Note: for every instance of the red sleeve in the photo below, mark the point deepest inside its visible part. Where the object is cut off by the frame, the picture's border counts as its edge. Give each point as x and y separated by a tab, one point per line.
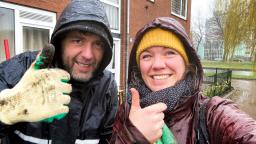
227	124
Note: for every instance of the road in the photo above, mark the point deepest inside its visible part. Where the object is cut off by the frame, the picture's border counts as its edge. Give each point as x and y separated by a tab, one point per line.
244	94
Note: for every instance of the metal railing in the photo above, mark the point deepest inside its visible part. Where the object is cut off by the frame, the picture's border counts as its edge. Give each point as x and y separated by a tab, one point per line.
218	76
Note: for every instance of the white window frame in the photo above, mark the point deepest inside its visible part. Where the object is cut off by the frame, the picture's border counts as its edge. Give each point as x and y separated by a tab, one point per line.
117	68
20	22
32	26
119	13
180	15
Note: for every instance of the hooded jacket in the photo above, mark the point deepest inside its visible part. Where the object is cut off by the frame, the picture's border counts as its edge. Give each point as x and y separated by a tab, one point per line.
93	104
225	123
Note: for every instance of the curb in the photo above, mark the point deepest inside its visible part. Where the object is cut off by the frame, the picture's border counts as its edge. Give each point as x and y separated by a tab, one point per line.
226	96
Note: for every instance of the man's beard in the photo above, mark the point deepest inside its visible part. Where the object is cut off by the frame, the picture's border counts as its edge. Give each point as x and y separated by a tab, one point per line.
82	77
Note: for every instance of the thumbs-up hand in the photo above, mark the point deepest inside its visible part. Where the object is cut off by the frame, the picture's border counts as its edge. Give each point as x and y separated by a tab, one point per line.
149	120
40	94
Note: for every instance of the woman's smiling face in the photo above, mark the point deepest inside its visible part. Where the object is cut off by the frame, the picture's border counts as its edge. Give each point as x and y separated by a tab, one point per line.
161	67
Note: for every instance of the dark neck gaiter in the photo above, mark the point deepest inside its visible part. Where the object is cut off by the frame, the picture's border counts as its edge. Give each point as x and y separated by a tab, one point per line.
170	96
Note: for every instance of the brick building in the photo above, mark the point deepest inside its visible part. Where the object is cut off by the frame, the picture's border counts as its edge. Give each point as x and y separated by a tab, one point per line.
135	13
28	24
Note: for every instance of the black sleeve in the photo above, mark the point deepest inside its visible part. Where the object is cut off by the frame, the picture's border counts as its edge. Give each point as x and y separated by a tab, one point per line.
107	125
11	72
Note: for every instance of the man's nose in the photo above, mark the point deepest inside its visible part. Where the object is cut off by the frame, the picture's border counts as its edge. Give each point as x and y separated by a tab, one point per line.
87	51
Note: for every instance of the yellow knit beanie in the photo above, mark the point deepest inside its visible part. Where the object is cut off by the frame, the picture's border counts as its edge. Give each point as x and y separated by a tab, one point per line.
161	37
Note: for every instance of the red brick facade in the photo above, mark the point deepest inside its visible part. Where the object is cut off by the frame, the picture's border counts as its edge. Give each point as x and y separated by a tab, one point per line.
50	5
142	12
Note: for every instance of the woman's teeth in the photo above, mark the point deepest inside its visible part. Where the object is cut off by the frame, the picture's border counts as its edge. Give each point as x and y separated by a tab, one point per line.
160	77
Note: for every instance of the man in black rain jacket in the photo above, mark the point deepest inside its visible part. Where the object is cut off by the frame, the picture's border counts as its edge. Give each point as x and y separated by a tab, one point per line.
83	47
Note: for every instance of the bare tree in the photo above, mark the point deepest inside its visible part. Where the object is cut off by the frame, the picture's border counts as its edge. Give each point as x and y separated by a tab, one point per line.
197	32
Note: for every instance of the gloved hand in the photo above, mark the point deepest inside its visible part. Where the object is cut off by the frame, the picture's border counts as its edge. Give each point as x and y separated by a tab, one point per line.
40	94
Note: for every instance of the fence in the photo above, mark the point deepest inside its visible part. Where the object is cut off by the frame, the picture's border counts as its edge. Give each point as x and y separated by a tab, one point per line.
217	76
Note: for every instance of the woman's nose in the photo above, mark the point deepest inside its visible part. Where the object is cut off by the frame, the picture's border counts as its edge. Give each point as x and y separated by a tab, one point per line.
158	62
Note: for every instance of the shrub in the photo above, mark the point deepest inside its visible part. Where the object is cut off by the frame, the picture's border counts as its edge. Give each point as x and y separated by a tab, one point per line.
218	89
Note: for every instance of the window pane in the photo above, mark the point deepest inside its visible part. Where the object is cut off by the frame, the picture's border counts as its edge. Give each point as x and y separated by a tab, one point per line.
113	57
176	6
179	7
34	38
113	16
184	3
114	1
6	31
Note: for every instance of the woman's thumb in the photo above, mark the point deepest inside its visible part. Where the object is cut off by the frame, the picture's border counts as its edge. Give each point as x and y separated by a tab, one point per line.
135	99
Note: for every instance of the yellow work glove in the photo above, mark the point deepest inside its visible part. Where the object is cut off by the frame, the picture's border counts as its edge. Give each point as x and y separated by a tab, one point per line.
40	94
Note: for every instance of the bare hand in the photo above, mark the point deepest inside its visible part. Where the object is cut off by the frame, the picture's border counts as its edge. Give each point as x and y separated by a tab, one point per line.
148	120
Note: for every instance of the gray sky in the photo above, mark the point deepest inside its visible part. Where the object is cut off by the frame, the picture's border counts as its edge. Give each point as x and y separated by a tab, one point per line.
202	9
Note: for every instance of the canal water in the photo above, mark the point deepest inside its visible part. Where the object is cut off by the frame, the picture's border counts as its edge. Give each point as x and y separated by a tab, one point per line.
244	94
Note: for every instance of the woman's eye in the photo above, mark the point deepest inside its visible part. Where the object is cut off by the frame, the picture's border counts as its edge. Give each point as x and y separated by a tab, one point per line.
170	53
145	56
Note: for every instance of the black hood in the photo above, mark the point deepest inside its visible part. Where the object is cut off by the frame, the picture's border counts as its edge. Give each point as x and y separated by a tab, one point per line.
88	16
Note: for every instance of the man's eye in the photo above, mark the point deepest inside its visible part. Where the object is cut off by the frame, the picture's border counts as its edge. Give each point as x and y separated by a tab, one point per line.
76	41
98	45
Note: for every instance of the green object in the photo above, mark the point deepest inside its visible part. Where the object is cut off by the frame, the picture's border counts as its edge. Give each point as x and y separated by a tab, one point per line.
58	117
43	61
167	136
39	62
45	58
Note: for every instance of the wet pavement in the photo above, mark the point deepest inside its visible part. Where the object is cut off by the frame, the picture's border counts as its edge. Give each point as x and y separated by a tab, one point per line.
244	94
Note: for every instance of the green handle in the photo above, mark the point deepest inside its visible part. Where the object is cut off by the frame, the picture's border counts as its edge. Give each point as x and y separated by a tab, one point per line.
167	136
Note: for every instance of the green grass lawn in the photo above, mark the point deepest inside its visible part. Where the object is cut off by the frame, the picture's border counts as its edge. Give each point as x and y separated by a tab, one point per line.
250	77
231	65
228	65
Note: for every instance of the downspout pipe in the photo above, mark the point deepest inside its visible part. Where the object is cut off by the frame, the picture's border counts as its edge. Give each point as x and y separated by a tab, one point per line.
127	45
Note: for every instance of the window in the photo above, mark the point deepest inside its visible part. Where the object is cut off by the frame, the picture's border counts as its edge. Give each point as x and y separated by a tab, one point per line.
114	65
24	28
34	38
113	1
179	8
112	8
6	31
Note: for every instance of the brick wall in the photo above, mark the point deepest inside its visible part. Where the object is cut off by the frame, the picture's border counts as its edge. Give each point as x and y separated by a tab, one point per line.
142	12
124	44
50	5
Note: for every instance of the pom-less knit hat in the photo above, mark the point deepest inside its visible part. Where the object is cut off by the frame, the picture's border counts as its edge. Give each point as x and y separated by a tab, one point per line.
161	37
